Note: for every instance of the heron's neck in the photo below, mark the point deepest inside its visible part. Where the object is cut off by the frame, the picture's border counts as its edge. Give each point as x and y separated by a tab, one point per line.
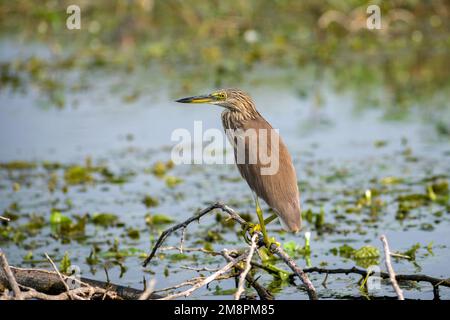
234	119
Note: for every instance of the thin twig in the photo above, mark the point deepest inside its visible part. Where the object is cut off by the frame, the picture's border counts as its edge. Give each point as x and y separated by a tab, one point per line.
59	274
324	282
10	276
207	280
387	254
183	234
74	293
203	250
169	231
5	219
202	269
297	270
384	275
192	282
398	255
263	293
248	266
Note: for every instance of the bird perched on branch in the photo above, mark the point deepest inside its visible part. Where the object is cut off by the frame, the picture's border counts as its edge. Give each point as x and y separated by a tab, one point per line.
255	142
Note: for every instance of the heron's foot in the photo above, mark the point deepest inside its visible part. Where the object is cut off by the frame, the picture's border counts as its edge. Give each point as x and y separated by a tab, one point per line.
267	249
272	242
249	231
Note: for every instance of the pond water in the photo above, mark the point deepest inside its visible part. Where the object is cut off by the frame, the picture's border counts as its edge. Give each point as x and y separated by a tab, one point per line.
368	175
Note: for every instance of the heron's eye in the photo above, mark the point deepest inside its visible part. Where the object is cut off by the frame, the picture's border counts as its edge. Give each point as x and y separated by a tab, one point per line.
220	95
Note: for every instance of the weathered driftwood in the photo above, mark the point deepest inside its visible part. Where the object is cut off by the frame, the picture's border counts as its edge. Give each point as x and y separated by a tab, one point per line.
48	282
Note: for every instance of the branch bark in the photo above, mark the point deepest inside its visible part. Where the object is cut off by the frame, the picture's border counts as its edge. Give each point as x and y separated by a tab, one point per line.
10	277
207	280
390	269
263	293
248	266
296	269
49	283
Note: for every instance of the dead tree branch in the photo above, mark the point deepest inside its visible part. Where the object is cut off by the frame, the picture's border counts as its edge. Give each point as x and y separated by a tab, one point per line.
236	217
207	280
263	293
58	273
390	269
297	270
184	224
9	275
48	283
248	266
148	291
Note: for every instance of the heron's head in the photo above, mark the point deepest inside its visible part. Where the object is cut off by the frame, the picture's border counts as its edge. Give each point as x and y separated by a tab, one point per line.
232	99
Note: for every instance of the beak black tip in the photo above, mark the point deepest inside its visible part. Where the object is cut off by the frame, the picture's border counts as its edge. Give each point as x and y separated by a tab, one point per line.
183	100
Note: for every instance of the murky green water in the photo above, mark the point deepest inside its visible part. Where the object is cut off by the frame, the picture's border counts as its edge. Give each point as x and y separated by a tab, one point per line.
368	174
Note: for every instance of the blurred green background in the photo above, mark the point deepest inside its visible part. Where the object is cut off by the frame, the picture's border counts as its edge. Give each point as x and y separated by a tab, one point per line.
222	42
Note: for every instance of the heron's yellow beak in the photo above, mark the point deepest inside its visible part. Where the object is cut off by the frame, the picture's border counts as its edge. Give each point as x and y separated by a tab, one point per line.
198	99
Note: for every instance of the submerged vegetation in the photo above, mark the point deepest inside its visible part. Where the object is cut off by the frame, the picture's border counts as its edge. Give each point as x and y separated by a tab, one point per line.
346	214
104	212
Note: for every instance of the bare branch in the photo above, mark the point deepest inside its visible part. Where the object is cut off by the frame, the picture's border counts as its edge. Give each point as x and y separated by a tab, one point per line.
5	219
183	234
192	282
297	270
263	293
148	291
77	293
398	255
57	271
202	269
390	269
184	224
248	266
11	279
384	275
207	280
203	250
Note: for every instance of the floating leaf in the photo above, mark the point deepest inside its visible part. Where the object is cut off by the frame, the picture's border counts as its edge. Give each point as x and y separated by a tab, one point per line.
391	180
18	165
77	175
440	187
172	181
157	219
104	219
133	233
411	252
150	201
159	169
366	252
57	218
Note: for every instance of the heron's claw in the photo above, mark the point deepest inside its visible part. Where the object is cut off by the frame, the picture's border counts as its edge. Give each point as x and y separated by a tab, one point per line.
272	241
249	231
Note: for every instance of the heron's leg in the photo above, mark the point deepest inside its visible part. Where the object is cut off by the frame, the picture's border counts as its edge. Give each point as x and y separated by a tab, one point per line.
270	219
262	224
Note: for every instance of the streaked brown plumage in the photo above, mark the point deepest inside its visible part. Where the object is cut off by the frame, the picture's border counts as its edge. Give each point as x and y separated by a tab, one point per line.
280	190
